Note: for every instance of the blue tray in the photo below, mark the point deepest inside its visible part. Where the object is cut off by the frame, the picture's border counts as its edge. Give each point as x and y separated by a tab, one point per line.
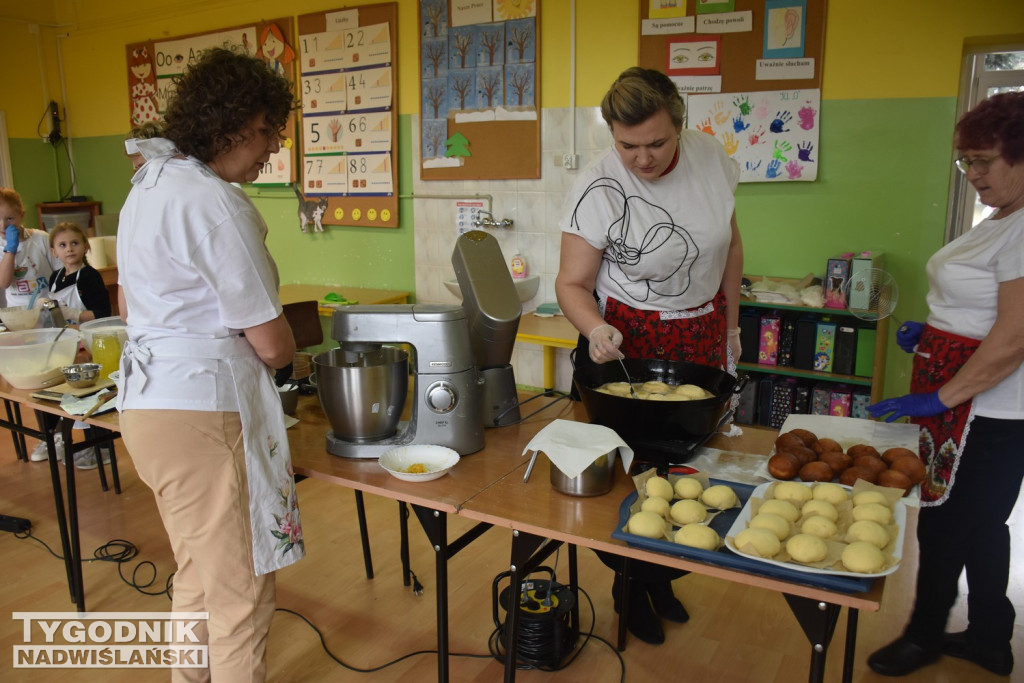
723	557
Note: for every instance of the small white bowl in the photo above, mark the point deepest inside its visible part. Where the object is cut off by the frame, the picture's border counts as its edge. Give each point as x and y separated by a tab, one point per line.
436	459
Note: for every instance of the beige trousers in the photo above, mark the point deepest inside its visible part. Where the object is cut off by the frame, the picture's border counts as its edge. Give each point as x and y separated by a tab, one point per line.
195	464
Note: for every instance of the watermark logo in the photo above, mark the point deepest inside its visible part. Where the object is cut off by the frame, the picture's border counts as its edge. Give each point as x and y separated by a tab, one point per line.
101	640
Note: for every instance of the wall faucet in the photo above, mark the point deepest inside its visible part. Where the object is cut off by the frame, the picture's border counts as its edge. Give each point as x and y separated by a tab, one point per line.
488	221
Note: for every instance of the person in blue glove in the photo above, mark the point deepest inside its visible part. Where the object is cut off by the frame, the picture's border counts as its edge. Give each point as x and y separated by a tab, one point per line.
26	263
968	398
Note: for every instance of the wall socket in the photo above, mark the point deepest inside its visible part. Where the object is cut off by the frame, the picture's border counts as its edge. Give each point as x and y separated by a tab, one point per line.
569	162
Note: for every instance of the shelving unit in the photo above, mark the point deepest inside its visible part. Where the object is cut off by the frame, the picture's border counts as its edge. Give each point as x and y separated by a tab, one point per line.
56	211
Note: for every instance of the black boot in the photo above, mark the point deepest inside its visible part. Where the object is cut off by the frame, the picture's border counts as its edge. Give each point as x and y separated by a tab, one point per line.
902	656
997	658
665	602
641	620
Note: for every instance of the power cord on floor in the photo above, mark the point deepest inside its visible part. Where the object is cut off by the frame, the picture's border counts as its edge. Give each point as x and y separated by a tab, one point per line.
356	669
120	552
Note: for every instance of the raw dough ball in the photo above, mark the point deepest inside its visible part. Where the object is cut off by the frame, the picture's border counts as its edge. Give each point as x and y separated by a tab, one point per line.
666	397
820	507
687	512
863	557
617	388
794	492
865	497
772	522
692	391
866	530
874	512
816	525
720	497
656	387
656	486
806	548
688	487
656	505
782	508
698	536
833	493
764	543
647	524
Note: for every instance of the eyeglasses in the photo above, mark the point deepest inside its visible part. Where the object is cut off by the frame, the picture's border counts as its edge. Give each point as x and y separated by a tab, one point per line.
980	165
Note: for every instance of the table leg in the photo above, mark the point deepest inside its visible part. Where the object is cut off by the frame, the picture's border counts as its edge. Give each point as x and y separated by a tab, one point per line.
623	598
403	532
76	547
818	621
549	368
58	500
851	643
14	417
364	535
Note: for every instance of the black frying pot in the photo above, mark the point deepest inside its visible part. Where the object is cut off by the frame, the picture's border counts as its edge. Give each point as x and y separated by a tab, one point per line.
635	419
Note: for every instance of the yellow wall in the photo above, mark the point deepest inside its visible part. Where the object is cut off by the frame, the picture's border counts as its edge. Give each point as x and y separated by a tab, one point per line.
866	44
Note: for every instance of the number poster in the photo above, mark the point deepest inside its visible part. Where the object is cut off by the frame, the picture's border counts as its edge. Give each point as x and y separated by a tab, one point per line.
349	117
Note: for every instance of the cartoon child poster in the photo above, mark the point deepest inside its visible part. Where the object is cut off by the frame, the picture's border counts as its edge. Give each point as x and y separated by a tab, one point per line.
142	84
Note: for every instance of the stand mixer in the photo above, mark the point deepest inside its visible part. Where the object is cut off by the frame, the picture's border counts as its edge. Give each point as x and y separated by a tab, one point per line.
446	406
462	377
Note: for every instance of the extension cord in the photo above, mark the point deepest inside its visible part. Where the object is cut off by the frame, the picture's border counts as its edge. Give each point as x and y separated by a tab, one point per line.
14	524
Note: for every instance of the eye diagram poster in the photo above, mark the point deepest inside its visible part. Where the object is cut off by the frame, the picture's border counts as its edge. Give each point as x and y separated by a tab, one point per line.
347	85
152	66
772	135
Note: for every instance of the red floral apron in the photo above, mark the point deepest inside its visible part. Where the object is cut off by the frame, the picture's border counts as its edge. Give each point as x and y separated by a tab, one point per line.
939	356
697	335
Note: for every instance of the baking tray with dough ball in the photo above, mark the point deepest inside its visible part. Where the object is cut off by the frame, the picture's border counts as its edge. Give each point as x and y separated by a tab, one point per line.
723	522
832	564
56	393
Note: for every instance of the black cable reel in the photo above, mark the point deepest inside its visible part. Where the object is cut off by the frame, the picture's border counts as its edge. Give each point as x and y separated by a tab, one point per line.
546	633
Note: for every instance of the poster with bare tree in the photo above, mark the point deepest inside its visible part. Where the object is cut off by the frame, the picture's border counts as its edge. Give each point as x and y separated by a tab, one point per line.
479	91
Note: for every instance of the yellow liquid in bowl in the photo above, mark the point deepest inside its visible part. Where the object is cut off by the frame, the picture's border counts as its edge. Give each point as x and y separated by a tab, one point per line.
106	350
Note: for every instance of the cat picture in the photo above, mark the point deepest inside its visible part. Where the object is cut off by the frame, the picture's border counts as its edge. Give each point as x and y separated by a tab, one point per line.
311	211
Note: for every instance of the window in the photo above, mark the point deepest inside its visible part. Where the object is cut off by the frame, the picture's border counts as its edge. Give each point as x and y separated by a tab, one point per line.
987	70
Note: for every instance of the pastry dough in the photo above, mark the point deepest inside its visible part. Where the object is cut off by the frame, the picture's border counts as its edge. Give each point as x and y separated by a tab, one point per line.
766	520
687	512
656	486
833	493
806	548
647	524
819	526
866	530
866	497
698	536
656	505
720	497
863	557
763	542
874	512
782	508
794	492
688	487
820	507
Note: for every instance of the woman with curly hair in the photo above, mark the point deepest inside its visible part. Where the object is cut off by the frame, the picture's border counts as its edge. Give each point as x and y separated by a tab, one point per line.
199	412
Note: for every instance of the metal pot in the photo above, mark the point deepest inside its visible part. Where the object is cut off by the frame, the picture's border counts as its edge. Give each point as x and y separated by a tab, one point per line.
596	480
362	394
635	419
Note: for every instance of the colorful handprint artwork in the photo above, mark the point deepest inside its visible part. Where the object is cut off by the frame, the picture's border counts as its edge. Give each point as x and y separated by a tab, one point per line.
772	135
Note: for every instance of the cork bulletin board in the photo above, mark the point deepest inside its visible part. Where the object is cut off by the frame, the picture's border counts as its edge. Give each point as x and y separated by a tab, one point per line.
479	89
152	66
750	73
348	85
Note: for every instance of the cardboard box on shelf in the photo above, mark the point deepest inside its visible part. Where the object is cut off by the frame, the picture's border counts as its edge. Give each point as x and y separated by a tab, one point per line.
824	346
866	260
837	273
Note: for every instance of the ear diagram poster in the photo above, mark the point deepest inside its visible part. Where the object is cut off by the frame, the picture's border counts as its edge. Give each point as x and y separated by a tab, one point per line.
772	135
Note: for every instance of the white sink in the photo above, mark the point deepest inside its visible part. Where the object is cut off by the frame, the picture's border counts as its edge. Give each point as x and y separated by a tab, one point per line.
526	287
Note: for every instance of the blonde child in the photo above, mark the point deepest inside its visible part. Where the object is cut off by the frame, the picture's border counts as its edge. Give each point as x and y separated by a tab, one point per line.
76	285
26	264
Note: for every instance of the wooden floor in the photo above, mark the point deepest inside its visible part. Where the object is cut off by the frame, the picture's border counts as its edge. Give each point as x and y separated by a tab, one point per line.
735	633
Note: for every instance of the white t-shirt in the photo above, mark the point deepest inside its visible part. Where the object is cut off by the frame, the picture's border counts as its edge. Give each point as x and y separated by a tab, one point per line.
33	265
193	264
963	290
666	241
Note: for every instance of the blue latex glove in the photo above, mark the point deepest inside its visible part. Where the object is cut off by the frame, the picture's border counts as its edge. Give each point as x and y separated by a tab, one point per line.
911	405
909	334
13	236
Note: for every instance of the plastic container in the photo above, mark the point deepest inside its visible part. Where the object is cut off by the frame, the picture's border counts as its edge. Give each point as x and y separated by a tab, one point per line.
111	325
518	266
30	360
20	317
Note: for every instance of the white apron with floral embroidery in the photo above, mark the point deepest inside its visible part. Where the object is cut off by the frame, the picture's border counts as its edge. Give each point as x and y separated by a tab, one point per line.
273	502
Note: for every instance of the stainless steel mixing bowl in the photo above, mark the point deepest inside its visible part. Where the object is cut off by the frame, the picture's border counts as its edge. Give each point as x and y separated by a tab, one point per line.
362	394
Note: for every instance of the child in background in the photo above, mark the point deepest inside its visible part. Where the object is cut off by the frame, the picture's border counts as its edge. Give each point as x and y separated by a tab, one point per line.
26	265
76	286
